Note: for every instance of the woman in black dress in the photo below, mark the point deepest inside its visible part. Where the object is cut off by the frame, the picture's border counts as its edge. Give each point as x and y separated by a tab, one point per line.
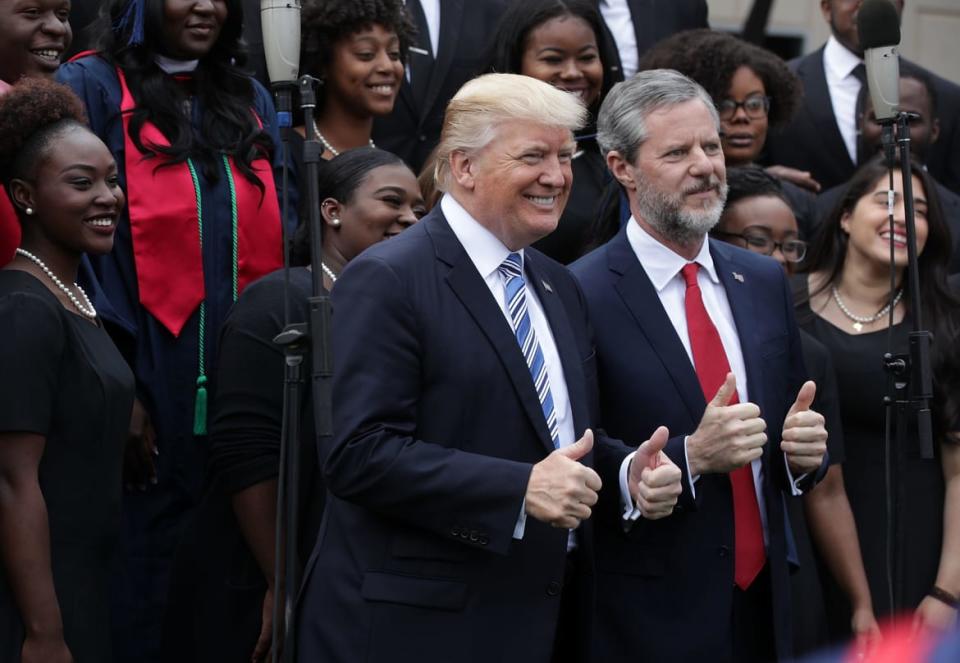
65	392
907	508
223	594
564	44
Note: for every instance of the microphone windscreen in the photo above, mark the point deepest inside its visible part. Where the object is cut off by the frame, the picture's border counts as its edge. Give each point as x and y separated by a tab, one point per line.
878	24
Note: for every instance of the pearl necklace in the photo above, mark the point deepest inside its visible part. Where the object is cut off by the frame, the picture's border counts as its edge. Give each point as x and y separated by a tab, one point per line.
326	143
87	311
328	272
860	320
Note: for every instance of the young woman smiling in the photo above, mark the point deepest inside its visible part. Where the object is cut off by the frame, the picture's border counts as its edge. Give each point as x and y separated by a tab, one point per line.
194	137
563	43
33	37
65	391
358	50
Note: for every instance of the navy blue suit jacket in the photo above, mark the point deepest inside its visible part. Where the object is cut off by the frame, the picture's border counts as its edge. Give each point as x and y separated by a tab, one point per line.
665	587
437	426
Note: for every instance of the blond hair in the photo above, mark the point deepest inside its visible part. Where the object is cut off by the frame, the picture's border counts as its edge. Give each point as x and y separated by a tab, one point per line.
482	104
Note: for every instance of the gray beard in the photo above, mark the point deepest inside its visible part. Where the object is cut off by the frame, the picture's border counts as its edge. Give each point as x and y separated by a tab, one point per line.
665	213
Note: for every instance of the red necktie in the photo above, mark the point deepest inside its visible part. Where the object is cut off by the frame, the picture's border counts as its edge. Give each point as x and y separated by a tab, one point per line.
712	367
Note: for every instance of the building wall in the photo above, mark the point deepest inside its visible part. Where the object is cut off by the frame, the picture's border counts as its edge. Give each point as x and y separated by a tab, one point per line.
930	32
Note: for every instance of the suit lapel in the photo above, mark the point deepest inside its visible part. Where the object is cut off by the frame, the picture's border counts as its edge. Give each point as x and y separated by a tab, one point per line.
820	109
473	293
451	19
563	338
641	299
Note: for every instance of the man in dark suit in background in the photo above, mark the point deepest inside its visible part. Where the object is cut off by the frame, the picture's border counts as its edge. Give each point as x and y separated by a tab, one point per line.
918	95
457	528
699	336
450	49
636	25
821	139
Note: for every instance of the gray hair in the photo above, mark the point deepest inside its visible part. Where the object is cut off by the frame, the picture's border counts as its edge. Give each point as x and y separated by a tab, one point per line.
483	103
621	124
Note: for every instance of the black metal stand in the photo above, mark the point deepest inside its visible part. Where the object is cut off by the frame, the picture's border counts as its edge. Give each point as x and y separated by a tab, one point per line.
297	340
912	369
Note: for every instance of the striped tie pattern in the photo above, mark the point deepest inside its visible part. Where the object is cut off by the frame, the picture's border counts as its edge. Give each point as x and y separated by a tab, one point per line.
516	296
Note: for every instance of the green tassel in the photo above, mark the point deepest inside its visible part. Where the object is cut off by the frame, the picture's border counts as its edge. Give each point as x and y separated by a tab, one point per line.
200	408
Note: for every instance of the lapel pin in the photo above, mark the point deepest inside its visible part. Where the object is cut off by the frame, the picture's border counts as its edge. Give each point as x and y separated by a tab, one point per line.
418	51
546	286
738	276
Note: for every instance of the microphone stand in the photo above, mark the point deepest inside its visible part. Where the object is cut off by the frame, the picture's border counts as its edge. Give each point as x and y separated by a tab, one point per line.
911	371
297	340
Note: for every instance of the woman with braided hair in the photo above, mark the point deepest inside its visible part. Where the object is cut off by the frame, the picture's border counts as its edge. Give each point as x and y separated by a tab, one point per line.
65	391
195	139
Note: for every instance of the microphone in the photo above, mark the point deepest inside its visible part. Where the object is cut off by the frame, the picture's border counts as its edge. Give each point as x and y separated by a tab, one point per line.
878	25
281	47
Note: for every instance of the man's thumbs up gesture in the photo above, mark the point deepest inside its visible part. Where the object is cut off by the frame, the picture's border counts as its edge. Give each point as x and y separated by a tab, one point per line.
804	439
653	479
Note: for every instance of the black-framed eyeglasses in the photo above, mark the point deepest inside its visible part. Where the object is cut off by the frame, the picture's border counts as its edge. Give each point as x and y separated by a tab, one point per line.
794	250
755	107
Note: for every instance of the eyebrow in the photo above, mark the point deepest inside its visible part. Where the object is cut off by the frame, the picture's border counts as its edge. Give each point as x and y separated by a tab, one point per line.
391	189
79	166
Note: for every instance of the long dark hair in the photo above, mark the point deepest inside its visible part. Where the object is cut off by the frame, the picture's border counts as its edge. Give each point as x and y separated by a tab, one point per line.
223	89
339	179
520	18
939	306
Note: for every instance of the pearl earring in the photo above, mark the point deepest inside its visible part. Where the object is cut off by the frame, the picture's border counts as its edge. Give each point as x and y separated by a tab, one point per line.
335	222
29	211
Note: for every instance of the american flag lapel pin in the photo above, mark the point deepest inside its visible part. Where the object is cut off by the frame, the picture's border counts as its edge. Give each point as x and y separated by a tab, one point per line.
738	276
546	286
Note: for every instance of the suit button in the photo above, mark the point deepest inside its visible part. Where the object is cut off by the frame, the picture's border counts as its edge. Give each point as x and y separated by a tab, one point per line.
464	534
473	535
723	551
482	540
553	588
455	531
422	138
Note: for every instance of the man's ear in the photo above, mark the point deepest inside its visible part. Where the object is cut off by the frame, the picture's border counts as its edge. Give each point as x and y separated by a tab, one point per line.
934	130
622	171
462	169
22	194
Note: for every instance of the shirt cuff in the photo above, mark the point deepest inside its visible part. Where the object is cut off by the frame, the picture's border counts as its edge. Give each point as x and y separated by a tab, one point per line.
521	521
692	479
630	510
794	490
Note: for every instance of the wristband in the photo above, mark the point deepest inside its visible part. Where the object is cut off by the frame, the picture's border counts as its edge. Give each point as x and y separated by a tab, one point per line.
944	596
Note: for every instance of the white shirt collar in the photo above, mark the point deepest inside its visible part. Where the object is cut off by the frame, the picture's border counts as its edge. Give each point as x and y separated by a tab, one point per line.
838	59
660	262
171	66
485	250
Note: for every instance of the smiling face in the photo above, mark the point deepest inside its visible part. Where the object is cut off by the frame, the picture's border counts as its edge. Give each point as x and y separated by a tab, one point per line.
518	184
384	204
365	71
563	52
744	135
677	186
191	27
76	195
868	228
33	36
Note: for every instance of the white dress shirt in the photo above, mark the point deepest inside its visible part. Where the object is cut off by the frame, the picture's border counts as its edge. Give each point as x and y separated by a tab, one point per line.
663	267
616	14
838	66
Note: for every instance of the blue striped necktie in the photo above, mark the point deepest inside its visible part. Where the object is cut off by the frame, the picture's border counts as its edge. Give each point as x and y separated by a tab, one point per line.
516	296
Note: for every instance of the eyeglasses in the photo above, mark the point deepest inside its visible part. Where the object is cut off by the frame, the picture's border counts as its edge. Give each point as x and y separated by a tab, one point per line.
794	250
755	107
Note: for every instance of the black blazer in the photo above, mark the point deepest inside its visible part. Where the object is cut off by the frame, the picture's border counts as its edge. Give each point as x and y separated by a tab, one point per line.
812	140
413	128
437	426
654	20
664	589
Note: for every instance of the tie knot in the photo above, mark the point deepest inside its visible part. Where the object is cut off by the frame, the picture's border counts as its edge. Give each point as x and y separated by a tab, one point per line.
689	272
512	266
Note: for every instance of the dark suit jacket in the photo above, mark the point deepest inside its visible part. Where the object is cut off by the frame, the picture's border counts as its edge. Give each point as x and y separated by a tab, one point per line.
654	20
812	140
949	201
437	426
665	588
413	128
